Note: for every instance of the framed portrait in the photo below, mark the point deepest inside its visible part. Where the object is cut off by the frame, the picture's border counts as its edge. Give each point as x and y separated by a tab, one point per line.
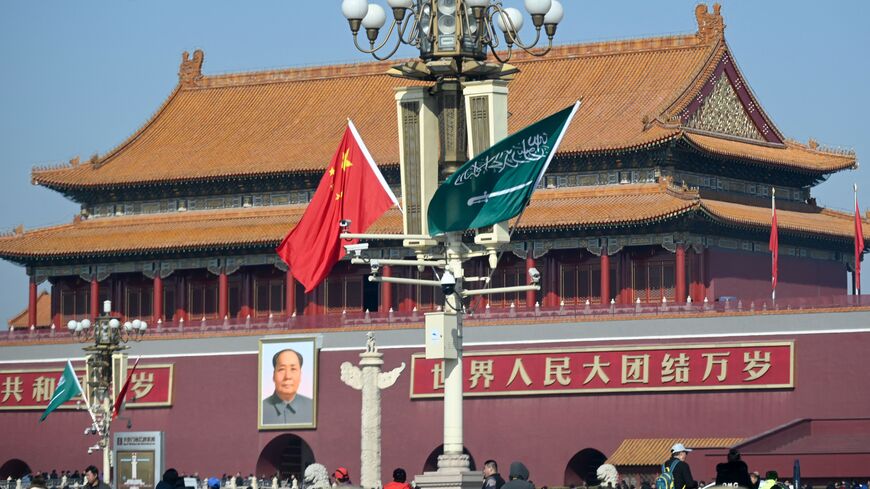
287	386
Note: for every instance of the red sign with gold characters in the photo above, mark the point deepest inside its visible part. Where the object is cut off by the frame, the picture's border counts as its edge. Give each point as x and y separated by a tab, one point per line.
31	389
729	366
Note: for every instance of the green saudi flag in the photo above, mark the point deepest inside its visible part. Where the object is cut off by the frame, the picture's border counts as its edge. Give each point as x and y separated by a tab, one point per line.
67	387
497	184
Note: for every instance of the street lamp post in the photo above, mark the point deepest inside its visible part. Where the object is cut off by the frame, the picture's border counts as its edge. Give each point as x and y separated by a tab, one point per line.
454	38
105	371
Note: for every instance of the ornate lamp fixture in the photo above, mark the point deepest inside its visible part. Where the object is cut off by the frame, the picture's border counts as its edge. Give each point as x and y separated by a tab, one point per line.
459	29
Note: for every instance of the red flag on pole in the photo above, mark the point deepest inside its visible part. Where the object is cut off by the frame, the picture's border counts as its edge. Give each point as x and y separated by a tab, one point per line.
859	243
352	189
774	244
119	402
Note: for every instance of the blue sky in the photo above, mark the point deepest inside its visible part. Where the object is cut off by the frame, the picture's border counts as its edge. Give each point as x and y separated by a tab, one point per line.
77	78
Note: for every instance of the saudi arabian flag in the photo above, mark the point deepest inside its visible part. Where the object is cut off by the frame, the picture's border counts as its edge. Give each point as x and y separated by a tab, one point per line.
67	387
497	184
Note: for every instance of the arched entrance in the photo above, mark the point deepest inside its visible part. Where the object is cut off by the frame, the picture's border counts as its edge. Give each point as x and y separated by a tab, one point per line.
431	464
14	468
581	469
286	454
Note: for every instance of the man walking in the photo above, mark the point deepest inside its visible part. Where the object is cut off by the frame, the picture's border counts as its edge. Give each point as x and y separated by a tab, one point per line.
491	478
681	472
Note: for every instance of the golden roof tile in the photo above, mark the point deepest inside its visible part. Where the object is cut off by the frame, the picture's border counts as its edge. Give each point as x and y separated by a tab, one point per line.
655	451
793	155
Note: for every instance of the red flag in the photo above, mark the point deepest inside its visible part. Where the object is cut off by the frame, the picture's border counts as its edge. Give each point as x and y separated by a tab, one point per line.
774	245
859	243
119	402
351	189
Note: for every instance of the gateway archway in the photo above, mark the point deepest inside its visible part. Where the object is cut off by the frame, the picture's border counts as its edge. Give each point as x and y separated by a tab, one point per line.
14	468
286	454
582	467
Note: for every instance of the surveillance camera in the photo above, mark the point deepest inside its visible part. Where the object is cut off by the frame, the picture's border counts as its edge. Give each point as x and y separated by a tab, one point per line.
535	275
356	249
344	223
376	266
90	450
448	283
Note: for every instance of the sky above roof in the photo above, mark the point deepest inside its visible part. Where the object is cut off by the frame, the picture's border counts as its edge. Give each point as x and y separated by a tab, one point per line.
80	77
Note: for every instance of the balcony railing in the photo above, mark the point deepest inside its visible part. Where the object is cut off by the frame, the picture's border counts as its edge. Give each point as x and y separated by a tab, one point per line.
478	315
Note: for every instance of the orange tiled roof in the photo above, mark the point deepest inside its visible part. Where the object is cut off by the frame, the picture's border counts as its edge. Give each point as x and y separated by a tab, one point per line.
285	121
794	154
43	313
550	209
654	451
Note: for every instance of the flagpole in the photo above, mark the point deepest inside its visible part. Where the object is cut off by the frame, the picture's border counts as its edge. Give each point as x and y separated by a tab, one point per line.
857	273
773	253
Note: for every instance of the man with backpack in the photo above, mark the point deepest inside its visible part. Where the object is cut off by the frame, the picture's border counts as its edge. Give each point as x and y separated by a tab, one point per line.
676	473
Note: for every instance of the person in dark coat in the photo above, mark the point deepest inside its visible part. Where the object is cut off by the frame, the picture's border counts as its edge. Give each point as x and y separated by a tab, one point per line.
170	478
682	474
491	478
519	477
734	472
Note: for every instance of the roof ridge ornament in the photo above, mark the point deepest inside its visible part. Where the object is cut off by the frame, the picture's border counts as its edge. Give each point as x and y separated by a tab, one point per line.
190	70
711	26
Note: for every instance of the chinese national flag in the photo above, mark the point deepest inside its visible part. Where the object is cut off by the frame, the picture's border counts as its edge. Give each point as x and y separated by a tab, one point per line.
774	246
859	244
119	402
353	189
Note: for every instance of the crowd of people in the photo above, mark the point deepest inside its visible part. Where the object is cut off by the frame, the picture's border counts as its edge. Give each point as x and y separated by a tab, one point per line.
676	474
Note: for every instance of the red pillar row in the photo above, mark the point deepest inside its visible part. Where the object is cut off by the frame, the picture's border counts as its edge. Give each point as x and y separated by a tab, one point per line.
680	292
605	277
223	294
530	295
290	293
31	304
158	299
95	299
387	290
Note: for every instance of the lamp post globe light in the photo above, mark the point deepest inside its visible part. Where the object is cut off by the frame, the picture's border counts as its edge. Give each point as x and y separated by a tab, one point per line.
105	371
454	39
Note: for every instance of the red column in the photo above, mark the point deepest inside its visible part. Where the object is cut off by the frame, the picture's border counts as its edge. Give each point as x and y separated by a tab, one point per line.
681	274
31	304
290	292
530	295
181	298
386	290
223	294
95	299
245	299
605	277
158	298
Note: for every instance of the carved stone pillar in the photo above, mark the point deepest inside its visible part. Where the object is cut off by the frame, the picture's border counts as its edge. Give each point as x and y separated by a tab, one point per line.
680	271
369	379
387	290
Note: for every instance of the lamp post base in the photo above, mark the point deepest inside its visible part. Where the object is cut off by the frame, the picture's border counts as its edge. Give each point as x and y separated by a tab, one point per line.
452	473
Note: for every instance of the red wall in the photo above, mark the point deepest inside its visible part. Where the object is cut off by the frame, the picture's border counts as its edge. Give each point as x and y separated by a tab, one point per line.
747	275
211	428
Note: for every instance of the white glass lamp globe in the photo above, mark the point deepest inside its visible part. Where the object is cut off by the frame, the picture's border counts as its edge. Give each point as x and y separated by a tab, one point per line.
114	323
375	17
400	3
555	14
476	3
136	323
354	9
143	326
71	325
515	16
86	323
538	7
128	326
79	327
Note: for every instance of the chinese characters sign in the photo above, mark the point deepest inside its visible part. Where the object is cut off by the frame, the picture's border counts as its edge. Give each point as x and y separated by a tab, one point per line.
150	386
616	369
